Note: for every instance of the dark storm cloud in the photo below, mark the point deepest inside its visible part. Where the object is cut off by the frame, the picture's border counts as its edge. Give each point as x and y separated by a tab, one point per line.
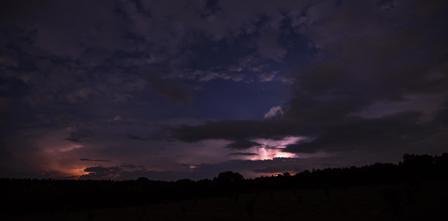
442	115
77	136
155	43
382	59
93	160
396	131
103	172
137	137
73	66
236	130
242	144
94	78
243	154
369	53
173	90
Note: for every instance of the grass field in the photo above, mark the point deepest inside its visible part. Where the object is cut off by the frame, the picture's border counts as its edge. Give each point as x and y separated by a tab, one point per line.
382	202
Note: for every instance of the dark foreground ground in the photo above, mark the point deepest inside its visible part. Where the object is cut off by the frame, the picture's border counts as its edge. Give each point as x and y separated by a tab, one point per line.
356	203
415	189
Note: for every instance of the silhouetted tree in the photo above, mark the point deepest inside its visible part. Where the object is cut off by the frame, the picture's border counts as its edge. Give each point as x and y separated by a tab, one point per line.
142	180
229	177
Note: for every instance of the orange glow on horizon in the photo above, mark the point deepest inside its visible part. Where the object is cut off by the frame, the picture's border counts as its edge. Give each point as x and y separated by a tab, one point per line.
76	172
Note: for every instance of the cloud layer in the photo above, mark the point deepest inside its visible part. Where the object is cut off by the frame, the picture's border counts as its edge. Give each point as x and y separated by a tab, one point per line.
172	85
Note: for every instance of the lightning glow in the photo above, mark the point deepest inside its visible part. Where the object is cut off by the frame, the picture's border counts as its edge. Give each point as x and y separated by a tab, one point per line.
270	149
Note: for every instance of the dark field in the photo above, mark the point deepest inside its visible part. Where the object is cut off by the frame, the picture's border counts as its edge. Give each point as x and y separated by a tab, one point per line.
356	203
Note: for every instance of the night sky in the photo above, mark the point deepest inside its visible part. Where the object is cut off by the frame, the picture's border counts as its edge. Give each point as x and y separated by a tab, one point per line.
171	89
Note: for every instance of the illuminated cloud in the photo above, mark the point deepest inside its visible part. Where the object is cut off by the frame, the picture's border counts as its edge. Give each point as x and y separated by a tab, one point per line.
269	149
264	153
275	111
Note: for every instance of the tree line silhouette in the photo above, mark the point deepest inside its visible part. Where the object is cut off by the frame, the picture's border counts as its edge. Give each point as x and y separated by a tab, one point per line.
46	195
